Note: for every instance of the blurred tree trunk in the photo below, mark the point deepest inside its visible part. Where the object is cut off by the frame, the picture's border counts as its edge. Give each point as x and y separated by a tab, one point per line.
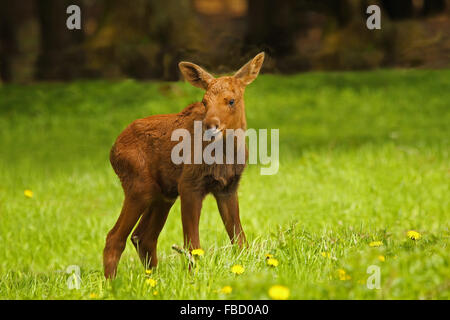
433	7
398	9
176	32
342	10
145	40
8	38
61	55
272	26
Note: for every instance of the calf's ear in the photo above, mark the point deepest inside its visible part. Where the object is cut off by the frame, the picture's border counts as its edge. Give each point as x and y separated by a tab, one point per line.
250	70
195	75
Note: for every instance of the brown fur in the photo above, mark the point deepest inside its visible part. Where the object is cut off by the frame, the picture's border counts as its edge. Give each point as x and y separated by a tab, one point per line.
141	157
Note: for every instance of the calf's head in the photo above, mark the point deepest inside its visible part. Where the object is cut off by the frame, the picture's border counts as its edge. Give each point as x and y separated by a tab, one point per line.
224	96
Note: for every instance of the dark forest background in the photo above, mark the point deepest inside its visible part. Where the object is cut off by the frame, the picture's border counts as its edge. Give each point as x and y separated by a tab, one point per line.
145	39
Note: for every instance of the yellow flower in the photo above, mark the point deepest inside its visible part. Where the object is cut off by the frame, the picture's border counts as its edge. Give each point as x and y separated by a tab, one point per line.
148	271
226	290
272	262
155	293
28	193
278	292
413	235
343	276
325	254
376	243
151	282
93	296
197	252
382	258
268	255
237	269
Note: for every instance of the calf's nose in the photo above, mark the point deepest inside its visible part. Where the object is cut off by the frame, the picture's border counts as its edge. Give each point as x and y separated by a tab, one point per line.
212	123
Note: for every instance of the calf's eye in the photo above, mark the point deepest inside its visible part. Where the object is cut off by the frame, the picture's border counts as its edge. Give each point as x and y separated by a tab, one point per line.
231	102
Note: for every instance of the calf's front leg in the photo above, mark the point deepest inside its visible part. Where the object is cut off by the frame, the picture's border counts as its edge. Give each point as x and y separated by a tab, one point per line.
191	206
228	205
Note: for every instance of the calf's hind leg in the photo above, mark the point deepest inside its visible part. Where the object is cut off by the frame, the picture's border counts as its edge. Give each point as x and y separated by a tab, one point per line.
145	236
137	200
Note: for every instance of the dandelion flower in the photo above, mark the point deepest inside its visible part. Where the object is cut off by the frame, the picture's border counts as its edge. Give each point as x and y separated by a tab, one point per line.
325	254
28	193
343	276
93	296
382	258
413	235
376	243
155	293
197	252
151	282
272	262
226	290
278	292
237	269
148	271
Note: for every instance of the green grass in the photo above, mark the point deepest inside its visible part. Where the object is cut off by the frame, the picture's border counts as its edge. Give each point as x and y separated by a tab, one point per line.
364	157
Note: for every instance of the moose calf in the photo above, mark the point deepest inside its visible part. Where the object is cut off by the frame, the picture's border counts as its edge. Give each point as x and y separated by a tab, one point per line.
141	157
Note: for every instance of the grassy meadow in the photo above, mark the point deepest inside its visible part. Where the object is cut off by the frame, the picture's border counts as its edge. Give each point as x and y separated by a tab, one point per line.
364	158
